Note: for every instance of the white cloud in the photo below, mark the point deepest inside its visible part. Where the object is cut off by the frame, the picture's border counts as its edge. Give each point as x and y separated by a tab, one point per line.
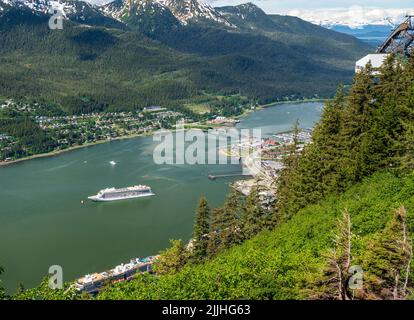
354	16
282	6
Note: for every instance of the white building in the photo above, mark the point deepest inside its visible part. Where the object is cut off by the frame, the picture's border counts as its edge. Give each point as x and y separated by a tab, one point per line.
377	60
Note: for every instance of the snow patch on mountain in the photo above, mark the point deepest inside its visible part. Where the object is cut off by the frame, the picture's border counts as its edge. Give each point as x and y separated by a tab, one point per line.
34	5
3	5
183	10
63	8
353	17
186	10
122	8
66	7
246	11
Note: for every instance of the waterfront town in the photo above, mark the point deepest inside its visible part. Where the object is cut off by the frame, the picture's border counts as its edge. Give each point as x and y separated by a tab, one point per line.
263	161
66	131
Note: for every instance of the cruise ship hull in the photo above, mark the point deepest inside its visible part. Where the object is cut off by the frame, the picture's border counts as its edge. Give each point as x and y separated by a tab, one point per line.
100	199
93	283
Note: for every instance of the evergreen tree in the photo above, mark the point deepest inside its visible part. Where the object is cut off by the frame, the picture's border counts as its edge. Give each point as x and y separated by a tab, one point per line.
320	169
358	117
387	130
226	224
254	216
231	224
404	154
288	176
213	245
20	288
2	291
172	259
293	154
387	263
201	231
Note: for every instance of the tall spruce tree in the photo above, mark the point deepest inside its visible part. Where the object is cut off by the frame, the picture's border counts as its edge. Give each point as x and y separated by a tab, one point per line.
405	149
254	215
20	288
288	177
201	231
2	291
172	259
358	116
226	224
386	130
387	264
217	217
318	170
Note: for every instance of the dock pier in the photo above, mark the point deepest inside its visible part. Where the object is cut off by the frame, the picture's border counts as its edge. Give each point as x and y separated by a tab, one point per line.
222	176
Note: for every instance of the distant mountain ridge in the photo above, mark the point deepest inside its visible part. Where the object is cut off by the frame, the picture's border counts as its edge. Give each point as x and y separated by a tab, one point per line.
164	52
145	15
193	10
185	11
354	17
67	7
247	16
125	11
371	34
74	10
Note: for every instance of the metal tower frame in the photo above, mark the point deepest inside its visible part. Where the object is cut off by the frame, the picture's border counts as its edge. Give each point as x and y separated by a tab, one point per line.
401	40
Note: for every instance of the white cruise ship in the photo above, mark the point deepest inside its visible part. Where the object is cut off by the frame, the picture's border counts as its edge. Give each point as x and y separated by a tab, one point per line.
113	194
92	283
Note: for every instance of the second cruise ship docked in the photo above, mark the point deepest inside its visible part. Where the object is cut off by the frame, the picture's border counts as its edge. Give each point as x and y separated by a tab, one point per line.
113	194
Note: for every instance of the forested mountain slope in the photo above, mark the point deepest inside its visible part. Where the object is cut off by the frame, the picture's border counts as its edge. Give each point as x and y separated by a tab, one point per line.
125	57
289	262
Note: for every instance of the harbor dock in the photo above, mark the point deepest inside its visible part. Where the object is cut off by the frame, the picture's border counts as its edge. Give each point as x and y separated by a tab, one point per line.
222	176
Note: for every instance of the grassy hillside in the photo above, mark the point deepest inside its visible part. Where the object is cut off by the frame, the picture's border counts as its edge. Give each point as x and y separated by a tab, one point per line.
285	262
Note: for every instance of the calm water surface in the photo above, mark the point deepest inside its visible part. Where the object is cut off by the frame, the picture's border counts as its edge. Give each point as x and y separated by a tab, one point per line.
43	222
